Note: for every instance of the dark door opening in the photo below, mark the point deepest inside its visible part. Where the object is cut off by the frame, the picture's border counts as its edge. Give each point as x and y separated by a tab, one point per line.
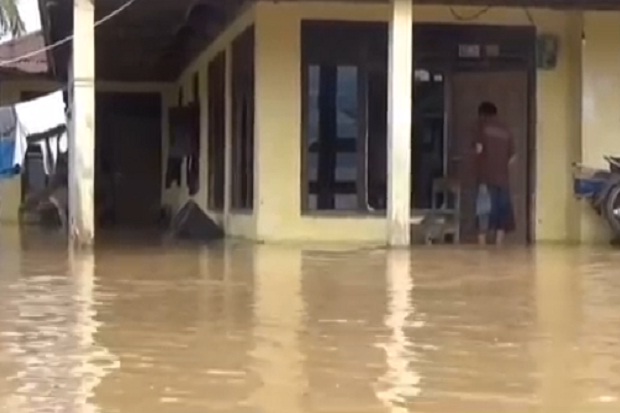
428	146
128	159
457	68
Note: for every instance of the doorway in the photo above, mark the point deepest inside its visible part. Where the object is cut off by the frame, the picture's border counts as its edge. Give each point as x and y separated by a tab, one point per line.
508	90
128	160
429	139
457	67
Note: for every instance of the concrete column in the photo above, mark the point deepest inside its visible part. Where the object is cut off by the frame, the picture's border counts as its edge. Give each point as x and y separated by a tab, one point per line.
600	100
277	149
82	140
400	71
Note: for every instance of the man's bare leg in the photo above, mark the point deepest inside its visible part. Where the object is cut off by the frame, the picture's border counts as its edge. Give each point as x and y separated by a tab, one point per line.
482	239
499	237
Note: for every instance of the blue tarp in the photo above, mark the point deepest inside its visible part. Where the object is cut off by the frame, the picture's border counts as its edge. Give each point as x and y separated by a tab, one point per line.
9	162
8	167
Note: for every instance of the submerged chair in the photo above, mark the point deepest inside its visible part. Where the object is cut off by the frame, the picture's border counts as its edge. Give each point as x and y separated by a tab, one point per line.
53	197
446	204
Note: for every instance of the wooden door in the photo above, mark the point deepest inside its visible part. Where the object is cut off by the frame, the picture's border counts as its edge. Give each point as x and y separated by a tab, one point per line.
129	165
137	166
509	92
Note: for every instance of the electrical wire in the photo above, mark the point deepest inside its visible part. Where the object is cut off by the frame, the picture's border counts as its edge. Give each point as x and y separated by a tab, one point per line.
529	16
483	11
471	17
69	38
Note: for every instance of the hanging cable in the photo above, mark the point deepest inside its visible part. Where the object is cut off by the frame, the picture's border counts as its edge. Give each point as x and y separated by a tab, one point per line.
69	38
483	11
529	16
471	17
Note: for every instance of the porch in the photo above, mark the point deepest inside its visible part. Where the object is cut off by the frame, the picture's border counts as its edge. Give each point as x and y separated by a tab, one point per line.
258	175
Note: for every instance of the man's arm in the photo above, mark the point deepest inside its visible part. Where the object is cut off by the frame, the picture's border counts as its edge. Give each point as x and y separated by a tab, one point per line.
512	149
477	140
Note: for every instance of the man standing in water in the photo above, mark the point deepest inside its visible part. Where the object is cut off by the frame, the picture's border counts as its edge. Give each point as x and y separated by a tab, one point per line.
495	151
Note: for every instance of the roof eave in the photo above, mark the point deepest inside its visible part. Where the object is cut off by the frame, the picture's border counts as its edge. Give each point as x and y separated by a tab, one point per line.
47	37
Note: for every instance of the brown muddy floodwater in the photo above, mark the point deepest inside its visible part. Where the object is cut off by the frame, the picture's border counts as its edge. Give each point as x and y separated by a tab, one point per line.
154	328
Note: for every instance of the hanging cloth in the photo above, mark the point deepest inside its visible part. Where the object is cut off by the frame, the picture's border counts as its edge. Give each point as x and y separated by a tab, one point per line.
10	159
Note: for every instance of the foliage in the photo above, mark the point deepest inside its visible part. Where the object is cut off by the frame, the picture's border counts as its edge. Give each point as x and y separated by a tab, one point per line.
10	19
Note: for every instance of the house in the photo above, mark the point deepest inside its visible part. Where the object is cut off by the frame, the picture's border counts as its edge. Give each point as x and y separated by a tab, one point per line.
34	65
307	129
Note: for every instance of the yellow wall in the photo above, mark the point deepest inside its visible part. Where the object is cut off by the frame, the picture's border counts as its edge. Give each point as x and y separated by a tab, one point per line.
601	103
236	224
277	129
278	132
555	206
570	127
277	121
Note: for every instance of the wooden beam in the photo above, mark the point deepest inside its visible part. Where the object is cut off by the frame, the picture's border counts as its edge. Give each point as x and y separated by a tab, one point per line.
328	131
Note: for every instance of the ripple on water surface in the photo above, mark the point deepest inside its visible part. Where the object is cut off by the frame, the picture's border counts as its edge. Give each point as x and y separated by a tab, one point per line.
235	328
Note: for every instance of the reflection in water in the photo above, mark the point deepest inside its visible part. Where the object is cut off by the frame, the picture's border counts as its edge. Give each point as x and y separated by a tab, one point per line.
95	360
401	380
278	318
236	328
48	335
557	293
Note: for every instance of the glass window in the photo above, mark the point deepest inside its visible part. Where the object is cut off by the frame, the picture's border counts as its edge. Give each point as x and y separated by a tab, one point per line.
333	131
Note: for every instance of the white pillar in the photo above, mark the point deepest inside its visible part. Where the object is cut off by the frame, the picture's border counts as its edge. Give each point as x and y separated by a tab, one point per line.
82	140
399	121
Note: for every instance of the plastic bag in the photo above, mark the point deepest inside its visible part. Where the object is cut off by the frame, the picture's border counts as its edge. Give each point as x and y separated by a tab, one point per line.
483	201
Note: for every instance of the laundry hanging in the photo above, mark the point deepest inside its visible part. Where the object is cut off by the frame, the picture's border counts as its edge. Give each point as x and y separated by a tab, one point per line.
12	150
41	115
25	119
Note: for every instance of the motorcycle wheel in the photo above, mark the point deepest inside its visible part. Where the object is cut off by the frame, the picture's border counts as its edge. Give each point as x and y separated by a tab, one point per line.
612	209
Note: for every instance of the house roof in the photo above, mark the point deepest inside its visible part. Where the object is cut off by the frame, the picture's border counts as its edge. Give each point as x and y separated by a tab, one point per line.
151	40
154	39
20	46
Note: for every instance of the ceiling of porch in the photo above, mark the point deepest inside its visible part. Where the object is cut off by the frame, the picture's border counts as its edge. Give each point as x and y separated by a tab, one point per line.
153	39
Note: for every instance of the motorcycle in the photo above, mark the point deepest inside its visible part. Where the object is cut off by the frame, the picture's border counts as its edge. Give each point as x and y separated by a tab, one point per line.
601	188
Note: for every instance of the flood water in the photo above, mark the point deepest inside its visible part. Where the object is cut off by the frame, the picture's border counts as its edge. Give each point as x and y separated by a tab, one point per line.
152	327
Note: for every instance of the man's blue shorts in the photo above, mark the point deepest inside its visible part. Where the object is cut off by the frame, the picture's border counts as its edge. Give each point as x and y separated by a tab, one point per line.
501	216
